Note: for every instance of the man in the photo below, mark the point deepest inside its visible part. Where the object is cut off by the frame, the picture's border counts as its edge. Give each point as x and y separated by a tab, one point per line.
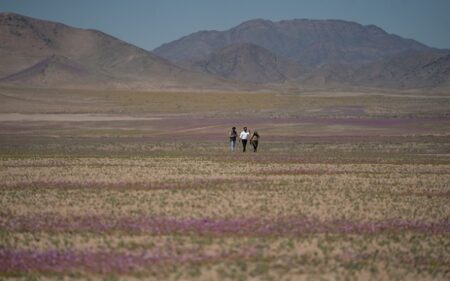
244	137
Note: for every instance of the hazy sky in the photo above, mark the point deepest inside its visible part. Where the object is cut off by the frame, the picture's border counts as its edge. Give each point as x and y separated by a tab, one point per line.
149	23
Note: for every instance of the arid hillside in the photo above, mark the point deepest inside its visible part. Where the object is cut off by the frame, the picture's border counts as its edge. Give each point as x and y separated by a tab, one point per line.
42	53
256	55
247	62
313	53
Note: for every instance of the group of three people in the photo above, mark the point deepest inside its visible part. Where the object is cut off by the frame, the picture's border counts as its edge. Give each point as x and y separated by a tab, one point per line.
243	138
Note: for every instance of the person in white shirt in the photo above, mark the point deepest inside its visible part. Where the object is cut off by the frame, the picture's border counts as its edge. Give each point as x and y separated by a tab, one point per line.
243	137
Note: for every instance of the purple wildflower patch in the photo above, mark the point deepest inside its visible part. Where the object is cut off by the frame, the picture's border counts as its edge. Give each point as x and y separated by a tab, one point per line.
216	227
12	261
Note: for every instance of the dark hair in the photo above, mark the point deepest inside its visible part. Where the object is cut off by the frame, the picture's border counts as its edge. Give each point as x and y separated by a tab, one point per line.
234	128
256	133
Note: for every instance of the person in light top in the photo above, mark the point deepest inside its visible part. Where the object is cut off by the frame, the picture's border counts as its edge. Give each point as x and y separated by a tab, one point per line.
243	137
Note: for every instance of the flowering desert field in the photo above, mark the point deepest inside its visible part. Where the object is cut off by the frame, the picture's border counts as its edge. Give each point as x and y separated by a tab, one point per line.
106	186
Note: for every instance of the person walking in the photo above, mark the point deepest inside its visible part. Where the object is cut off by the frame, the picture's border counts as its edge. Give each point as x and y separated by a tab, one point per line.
244	138
254	141
233	137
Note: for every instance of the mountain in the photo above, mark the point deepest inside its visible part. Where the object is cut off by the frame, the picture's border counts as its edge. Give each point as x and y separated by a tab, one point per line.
409	70
44	53
308	42
311	52
246	62
294	53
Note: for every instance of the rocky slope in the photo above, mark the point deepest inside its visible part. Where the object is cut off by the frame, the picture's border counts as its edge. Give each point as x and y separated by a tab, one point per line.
406	71
43	53
247	62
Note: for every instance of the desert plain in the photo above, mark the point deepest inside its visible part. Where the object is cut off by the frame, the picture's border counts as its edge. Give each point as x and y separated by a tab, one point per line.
123	185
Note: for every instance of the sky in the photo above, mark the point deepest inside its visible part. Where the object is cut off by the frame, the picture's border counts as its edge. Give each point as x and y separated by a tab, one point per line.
150	23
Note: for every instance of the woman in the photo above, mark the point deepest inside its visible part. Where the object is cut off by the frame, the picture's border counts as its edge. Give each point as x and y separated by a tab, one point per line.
233	136
254	141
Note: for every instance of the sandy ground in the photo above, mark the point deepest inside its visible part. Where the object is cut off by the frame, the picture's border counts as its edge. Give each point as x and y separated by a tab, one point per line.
177	127
65	117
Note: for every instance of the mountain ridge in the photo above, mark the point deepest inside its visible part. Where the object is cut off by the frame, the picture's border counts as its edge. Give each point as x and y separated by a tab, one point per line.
254	55
308	42
340	52
111	62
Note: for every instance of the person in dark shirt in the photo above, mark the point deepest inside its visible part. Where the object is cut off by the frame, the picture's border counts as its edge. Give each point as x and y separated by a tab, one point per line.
233	137
254	141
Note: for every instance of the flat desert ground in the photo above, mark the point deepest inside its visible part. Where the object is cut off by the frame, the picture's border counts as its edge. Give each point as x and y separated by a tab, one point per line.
113	185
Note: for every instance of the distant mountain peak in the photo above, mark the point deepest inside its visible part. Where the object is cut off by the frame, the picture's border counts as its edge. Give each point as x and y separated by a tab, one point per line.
375	29
254	23
51	54
308	42
11	16
14	19
265	51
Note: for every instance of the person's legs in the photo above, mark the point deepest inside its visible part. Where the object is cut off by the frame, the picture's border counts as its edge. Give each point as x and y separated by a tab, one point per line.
232	145
244	145
255	146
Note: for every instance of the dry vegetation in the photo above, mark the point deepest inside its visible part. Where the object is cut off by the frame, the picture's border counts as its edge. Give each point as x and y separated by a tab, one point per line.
353	195
360	103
